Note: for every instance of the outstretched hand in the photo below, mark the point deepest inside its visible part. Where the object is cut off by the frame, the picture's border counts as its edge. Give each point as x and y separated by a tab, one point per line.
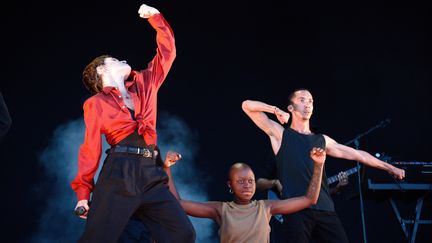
146	11
318	155
171	158
281	115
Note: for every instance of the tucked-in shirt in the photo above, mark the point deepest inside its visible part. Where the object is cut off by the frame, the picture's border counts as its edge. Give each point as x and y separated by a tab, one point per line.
106	113
244	223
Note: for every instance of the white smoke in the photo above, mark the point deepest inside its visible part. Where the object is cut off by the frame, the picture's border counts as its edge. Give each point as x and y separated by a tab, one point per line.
175	135
57	223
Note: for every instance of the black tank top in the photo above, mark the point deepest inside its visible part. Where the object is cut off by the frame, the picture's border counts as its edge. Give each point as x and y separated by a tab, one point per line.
133	139
295	167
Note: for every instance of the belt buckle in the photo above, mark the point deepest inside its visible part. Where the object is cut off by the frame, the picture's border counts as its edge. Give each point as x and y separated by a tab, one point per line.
147	153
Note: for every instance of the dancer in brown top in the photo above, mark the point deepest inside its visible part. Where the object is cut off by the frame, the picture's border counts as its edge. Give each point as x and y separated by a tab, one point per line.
246	220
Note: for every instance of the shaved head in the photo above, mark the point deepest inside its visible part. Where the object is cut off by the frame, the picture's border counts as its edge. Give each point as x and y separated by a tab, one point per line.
237	167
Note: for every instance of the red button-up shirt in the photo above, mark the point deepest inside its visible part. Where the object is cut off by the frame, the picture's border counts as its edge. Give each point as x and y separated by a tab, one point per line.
106	113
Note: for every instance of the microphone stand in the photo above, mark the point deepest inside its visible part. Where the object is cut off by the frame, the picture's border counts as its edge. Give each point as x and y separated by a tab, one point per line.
357	144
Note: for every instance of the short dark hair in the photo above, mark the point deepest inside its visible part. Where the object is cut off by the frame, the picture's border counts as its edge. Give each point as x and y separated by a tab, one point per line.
91	78
291	95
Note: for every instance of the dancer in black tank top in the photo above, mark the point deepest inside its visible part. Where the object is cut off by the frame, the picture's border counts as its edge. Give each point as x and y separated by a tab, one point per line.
290	147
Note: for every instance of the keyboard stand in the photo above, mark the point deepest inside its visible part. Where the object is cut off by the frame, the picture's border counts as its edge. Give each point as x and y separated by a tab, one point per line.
410	236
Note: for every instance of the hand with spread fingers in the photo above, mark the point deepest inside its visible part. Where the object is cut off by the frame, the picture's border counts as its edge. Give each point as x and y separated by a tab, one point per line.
318	155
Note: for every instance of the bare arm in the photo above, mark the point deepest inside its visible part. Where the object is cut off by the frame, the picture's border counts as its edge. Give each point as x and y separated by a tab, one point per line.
263	184
295	204
338	150
210	210
266	184
256	112
171	184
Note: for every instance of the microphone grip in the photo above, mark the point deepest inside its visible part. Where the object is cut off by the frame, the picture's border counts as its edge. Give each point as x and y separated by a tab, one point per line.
80	210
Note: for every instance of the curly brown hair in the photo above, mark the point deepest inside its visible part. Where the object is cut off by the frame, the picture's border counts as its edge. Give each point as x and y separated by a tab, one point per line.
91	78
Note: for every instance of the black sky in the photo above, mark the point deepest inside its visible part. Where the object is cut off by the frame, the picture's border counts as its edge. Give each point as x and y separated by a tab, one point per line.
363	64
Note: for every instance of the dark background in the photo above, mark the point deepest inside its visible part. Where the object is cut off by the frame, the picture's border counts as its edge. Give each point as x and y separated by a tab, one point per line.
363	64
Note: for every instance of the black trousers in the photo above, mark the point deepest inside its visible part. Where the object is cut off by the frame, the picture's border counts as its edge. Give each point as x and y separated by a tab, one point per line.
129	185
136	231
309	224
275	233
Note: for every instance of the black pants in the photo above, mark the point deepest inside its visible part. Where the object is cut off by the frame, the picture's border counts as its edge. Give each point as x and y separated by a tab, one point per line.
132	184
136	231
275	233
310	224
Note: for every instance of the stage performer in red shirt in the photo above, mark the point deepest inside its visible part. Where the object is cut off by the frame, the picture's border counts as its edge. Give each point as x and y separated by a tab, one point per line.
123	108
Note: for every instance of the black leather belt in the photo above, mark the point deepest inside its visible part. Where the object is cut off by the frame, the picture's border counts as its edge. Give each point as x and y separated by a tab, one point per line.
133	150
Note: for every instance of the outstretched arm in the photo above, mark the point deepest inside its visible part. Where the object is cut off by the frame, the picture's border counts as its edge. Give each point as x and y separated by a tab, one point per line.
210	210
159	67
338	150
256	111
295	204
170	159
263	184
